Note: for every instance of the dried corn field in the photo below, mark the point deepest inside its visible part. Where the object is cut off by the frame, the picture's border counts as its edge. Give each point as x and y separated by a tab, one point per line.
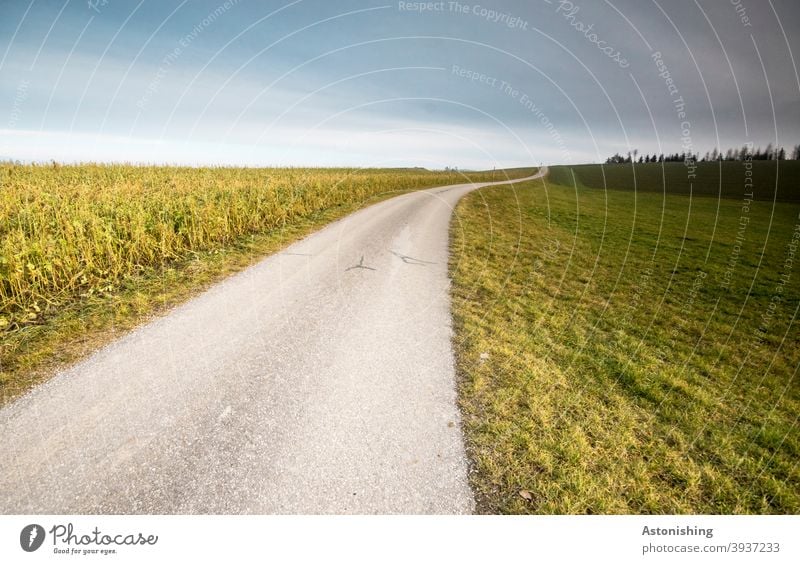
68	232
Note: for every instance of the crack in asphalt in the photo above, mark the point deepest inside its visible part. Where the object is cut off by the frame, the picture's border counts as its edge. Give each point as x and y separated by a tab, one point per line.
411	260
360	265
289	387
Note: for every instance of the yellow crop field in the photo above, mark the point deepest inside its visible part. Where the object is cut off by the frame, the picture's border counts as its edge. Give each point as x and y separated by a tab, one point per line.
74	233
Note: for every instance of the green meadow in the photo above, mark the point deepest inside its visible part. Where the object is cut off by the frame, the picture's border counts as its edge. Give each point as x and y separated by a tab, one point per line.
767	180
630	351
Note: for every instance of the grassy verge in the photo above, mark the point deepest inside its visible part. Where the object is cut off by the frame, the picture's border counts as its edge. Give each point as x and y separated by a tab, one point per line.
89	252
624	352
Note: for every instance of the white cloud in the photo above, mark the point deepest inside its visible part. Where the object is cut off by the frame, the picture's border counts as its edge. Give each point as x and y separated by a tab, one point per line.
411	145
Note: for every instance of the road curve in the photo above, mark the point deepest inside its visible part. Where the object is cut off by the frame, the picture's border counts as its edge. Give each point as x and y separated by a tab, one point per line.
319	380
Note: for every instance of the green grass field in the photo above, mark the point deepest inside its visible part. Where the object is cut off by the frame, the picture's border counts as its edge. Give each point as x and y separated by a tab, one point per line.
627	352
90	251
718	179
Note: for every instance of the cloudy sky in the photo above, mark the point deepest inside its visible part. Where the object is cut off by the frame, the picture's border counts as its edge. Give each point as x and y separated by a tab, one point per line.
377	83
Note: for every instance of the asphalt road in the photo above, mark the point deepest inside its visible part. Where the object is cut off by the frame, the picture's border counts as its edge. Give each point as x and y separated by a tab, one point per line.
320	380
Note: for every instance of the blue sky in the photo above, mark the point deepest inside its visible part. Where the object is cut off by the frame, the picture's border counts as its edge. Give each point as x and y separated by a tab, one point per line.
376	83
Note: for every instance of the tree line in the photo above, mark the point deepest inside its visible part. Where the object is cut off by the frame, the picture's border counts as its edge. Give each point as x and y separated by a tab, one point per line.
770	153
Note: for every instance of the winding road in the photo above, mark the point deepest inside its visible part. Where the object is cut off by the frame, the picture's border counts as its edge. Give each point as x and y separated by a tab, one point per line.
319	380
